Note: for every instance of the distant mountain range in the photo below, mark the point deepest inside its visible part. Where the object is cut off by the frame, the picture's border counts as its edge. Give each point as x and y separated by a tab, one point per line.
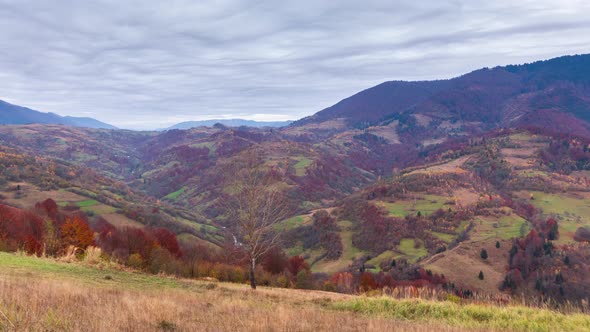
229	123
13	115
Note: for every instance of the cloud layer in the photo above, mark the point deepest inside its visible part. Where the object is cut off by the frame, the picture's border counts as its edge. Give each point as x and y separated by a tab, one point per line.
149	64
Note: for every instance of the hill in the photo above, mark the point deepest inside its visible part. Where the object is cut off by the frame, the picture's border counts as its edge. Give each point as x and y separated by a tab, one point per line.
229	123
12	114
42	294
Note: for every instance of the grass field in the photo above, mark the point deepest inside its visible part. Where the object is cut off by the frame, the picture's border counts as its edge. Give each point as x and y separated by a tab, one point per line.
444	236
87	203
469	316
572	210
38	294
499	227
425	204
407	247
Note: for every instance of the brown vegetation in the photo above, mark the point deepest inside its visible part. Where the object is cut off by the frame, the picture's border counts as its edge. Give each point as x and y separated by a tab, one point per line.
57	305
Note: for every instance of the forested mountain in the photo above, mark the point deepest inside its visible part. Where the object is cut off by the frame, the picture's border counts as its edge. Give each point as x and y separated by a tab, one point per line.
14	115
551	94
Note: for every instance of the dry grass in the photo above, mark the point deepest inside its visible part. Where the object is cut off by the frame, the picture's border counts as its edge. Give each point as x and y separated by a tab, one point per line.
40	294
52	305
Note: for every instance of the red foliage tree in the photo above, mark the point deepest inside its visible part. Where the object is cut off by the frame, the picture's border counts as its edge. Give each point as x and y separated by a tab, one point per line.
296	264
367	282
167	240
275	261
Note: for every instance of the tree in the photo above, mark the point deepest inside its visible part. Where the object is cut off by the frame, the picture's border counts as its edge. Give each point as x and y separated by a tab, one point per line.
483	254
481	277
255	208
497	244
76	232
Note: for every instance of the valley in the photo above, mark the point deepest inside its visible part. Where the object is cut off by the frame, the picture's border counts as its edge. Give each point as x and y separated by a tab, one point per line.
476	187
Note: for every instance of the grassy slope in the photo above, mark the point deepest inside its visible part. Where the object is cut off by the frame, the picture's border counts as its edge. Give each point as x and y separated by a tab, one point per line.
41	294
62	197
424	204
301	165
571	209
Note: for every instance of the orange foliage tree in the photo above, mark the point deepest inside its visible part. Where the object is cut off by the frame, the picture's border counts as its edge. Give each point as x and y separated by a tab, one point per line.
76	232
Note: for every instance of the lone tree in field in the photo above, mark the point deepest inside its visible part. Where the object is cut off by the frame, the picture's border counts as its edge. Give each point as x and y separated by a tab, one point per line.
256	205
484	254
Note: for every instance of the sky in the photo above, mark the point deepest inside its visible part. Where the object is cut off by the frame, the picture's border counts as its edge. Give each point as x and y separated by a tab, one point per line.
150	64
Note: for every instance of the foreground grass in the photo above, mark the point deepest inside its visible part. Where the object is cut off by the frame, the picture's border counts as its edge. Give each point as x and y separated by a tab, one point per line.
468	316
44	295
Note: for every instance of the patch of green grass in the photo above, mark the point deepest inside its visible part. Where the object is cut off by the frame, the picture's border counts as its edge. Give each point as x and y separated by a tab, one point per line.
514	318
407	247
294	222
425	204
385	256
571	210
31	266
443	236
301	165
174	195
99	209
504	227
87	203
561	204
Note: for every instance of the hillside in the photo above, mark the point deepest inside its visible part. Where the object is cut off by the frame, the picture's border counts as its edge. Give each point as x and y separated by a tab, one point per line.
42	294
12	114
481	196
26	180
551	95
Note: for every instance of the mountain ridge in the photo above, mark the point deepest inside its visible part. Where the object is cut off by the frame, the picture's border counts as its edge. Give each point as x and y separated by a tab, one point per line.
11	114
484	99
229	123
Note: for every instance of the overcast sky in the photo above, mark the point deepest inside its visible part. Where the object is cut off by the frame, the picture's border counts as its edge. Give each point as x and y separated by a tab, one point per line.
148	64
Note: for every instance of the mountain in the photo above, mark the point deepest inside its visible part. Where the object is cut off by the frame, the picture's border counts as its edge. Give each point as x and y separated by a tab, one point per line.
552	94
400	177
13	114
229	123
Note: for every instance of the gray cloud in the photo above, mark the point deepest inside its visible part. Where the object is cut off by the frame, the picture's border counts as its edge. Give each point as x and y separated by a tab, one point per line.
147	64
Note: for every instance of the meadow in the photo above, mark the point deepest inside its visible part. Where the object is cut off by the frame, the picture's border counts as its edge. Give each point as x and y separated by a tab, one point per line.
40	294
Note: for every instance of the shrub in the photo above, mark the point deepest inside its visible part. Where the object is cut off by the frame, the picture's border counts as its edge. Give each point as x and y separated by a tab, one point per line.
135	261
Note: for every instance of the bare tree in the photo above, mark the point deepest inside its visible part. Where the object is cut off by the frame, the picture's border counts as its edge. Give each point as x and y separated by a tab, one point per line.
256	206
